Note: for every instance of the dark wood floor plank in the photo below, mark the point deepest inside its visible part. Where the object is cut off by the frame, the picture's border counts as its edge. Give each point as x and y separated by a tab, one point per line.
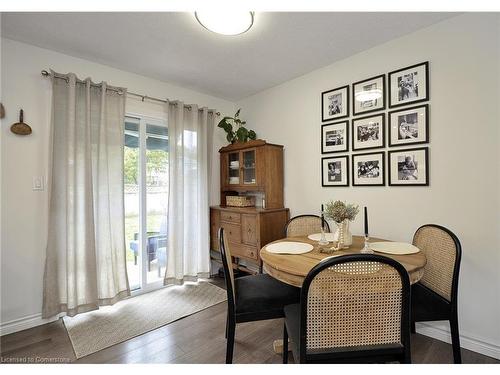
198	338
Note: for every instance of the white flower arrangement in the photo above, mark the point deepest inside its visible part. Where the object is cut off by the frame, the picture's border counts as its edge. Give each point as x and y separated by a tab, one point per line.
339	211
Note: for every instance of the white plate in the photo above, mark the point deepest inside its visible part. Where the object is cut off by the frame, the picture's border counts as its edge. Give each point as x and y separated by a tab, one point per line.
289	247
317	236
398	248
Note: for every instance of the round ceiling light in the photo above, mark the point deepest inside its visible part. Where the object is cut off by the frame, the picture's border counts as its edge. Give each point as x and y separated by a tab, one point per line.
225	23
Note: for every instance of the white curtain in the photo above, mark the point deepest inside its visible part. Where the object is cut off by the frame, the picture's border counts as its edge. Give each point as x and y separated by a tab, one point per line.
85	262
190	130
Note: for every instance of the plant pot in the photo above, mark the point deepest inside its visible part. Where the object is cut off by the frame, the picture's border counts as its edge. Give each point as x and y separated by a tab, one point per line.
343	235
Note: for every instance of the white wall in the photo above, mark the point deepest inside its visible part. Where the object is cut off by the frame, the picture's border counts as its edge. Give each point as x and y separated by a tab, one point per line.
464	159
24	212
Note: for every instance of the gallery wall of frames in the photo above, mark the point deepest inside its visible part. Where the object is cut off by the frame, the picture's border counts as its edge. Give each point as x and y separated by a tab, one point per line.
375	124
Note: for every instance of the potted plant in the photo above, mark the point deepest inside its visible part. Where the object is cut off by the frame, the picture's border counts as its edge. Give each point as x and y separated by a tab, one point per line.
235	131
341	213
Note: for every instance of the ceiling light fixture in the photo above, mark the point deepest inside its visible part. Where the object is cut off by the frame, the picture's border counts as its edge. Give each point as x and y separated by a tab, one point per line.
367	95
225	23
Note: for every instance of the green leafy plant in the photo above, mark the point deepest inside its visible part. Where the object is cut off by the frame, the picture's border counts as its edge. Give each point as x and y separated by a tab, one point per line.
235	131
339	211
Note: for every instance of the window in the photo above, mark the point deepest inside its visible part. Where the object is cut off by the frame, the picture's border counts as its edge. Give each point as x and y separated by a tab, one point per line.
146	186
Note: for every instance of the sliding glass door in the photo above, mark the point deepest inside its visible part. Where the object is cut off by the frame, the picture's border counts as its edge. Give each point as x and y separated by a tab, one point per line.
146	200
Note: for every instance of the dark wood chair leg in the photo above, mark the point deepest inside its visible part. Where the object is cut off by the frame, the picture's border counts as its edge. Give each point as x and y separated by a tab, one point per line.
455	339
227	324
406	355
230	341
285	344
412	328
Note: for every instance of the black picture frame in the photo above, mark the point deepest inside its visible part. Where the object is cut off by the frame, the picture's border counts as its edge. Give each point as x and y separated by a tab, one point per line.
420	99
334	117
426	117
399	151
384	103
343	184
354	132
346	142
354	170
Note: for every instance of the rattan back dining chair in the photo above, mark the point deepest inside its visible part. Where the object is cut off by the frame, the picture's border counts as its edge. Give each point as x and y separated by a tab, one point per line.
434	297
304	225
353	308
251	298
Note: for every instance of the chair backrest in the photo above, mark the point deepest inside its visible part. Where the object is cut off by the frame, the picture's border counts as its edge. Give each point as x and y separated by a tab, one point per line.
443	252
354	301
304	225
228	269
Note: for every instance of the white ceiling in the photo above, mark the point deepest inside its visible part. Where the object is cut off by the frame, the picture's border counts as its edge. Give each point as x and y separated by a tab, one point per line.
173	47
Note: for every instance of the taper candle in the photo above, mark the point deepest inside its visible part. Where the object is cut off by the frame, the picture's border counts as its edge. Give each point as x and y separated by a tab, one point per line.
366	222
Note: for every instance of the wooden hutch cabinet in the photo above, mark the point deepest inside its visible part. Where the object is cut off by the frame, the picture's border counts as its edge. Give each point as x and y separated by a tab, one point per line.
253	168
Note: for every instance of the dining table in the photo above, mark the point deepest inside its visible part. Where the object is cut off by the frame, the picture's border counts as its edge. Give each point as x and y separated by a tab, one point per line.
293	268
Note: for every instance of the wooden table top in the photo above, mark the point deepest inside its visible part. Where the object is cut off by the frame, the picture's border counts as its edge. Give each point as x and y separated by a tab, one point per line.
292	269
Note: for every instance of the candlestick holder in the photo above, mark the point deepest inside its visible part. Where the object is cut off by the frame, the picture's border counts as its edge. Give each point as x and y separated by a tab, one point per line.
367	249
322	241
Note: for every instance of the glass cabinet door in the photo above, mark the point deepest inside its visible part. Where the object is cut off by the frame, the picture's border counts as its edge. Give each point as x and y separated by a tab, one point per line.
234	168
249	167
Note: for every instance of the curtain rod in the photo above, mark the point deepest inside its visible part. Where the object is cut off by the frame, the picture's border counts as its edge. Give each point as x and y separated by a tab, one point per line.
45	73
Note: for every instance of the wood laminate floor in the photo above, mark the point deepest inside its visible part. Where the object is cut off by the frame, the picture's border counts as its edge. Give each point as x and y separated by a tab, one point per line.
198	338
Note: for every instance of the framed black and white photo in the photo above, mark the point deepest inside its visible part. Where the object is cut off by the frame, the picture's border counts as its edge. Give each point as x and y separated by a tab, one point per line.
409	85
368	95
335	137
335	104
409	126
368	132
368	169
409	167
335	171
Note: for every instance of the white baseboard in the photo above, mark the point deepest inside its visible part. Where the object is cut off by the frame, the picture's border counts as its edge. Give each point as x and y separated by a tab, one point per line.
466	341
26	322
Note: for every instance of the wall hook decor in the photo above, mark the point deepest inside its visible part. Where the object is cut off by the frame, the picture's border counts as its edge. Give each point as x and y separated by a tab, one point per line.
2	111
20	127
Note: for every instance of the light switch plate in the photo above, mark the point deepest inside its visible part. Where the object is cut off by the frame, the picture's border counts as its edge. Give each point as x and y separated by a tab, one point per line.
38	183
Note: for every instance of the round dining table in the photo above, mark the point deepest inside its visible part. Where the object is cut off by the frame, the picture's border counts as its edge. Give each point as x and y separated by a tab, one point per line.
293	268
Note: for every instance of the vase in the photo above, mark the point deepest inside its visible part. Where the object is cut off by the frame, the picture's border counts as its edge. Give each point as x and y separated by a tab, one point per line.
343	235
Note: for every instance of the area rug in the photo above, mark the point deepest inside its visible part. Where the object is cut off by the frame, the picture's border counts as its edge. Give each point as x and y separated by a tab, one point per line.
110	325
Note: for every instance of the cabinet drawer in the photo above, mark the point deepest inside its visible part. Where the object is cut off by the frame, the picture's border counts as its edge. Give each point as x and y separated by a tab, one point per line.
231	217
249	229
232	232
244	251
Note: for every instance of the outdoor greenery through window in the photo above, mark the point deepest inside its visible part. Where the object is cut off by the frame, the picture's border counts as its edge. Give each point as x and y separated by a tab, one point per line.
146	200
